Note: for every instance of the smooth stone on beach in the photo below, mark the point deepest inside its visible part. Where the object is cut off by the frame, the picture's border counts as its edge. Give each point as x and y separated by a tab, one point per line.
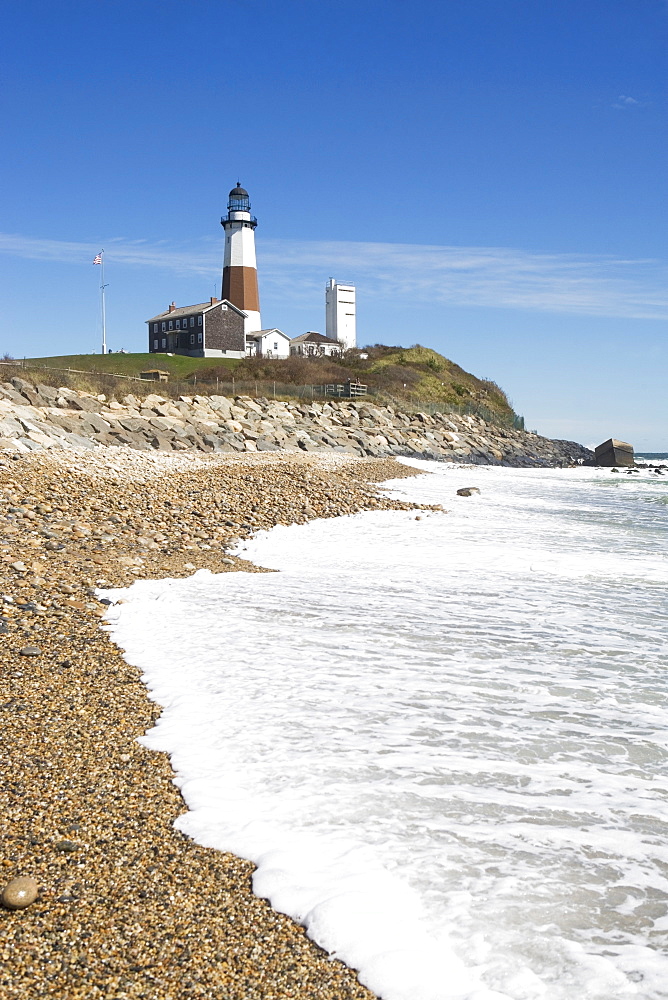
19	893
30	651
468	491
67	846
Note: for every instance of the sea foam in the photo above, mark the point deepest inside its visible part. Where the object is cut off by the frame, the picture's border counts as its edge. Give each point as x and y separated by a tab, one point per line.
441	737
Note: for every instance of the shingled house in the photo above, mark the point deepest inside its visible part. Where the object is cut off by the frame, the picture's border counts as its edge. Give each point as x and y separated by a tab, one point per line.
213	329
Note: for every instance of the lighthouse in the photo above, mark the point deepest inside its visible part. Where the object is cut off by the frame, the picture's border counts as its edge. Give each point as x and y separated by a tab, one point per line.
239	264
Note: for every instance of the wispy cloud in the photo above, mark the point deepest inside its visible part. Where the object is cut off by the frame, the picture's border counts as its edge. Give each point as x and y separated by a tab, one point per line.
624	103
199	257
498	277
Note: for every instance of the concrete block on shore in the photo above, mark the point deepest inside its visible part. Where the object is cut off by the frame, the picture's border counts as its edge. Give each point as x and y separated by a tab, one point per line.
614	452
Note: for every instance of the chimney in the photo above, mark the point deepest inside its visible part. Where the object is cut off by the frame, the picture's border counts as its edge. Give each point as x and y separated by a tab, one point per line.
213	300
172	307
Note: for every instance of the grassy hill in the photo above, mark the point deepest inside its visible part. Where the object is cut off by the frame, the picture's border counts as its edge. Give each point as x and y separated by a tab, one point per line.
415	375
400	373
133	364
433	377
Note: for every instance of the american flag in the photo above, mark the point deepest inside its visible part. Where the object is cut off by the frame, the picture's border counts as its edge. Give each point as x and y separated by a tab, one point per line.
98	259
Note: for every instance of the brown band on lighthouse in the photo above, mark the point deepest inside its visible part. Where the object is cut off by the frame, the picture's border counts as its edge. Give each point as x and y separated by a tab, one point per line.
240	288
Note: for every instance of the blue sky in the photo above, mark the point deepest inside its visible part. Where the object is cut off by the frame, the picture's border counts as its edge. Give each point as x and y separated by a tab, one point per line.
490	174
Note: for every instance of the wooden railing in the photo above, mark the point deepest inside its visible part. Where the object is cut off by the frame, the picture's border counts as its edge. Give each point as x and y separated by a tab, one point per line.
347	390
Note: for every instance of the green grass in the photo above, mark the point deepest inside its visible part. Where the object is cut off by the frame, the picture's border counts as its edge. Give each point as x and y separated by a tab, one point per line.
416	355
177	365
434	379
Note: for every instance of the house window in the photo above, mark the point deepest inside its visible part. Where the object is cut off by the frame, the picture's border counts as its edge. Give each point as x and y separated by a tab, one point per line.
178	324
275	345
164	327
192	338
155	345
164	342
199	338
155	328
171	325
192	320
199	320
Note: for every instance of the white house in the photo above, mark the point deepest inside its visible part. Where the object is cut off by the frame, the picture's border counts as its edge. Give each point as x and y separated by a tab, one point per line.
315	345
267	344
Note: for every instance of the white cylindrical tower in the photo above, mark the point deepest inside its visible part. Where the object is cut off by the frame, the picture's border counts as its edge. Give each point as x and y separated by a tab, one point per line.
239	264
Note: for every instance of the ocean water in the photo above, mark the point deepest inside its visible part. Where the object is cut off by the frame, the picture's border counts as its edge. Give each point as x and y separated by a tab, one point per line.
442	737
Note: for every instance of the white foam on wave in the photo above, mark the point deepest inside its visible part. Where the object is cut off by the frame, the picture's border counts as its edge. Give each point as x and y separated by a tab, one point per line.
443	742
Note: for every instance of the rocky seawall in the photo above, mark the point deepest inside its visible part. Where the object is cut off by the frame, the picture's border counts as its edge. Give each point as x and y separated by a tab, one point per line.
41	417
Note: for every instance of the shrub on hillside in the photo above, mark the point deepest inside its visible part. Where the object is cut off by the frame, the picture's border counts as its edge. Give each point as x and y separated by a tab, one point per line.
294	370
495	391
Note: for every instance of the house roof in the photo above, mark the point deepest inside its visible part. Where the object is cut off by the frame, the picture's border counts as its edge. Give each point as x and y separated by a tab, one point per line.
263	333
201	307
312	337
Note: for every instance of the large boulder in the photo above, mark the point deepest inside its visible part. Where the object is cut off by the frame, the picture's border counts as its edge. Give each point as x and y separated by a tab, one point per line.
614	452
87	403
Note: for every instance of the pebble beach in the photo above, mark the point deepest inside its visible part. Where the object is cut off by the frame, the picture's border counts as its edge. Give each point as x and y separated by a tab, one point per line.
127	906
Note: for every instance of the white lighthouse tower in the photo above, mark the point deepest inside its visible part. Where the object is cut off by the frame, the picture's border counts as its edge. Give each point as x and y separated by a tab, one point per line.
239	264
340	309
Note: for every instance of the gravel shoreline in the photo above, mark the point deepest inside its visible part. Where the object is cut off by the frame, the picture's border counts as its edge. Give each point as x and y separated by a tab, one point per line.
128	906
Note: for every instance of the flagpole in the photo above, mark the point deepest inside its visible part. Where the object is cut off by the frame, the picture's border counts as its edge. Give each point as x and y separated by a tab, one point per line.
104	315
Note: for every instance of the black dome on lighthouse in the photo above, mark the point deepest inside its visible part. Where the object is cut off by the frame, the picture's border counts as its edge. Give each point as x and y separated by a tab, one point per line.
238	207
